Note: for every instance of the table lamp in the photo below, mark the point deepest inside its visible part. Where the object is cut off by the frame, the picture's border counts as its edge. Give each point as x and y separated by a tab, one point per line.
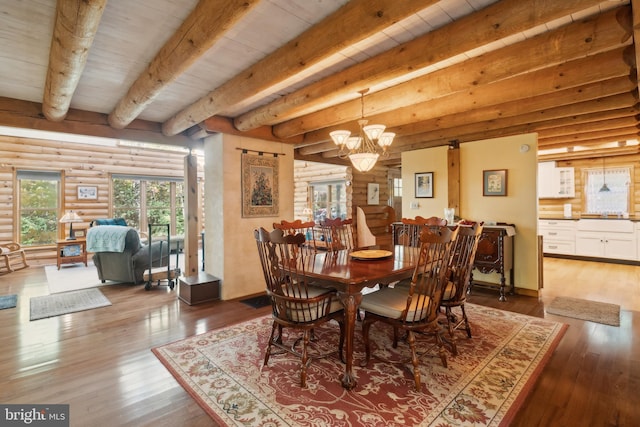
69	218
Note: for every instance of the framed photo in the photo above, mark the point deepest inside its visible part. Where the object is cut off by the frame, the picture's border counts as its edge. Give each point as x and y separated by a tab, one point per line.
494	182
79	233
87	192
260	194
424	185
373	193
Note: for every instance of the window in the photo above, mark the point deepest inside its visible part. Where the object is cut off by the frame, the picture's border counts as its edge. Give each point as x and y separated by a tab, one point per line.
616	201
149	200
38	205
397	187
329	200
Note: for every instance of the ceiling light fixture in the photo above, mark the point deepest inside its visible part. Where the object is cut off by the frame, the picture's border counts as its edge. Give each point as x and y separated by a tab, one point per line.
362	149
604	187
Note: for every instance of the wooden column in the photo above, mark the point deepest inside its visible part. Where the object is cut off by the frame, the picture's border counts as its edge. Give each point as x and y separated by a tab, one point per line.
453	176
191	224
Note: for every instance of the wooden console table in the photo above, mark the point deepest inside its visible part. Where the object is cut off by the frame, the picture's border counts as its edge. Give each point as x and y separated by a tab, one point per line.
71	251
495	254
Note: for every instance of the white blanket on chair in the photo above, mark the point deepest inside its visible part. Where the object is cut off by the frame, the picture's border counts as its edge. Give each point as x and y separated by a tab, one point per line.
107	238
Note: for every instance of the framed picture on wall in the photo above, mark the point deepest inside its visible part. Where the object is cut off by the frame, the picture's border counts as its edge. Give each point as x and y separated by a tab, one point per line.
87	192
424	185
373	193
494	182
260	196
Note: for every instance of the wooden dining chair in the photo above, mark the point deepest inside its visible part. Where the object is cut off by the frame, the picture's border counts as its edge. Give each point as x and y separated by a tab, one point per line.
308	229
454	294
414	309
337	234
295	304
409	233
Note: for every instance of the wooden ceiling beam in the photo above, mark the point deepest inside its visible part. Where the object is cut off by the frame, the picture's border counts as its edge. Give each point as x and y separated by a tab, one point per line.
547	81
591	153
353	22
635	6
204	26
492	23
73	33
592	126
592	98
225	125
611	135
553	118
570	43
26	114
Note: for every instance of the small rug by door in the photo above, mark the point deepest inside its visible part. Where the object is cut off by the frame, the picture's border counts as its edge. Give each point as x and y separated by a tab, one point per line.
67	302
483	386
593	311
8	301
257	302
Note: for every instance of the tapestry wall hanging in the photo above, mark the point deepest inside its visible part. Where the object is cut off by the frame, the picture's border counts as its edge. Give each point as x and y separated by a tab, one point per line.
259	185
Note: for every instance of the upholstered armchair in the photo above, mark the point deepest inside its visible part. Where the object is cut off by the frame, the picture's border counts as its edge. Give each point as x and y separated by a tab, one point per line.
118	254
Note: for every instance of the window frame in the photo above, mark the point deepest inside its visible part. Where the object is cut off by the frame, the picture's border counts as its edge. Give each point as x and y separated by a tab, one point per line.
330	202
607	170
37	174
143	201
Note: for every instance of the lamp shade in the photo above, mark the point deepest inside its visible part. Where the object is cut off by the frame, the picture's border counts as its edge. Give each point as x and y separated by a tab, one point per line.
69	218
364	162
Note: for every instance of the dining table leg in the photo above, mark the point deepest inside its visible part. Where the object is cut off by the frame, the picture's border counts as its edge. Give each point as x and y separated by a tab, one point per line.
351	302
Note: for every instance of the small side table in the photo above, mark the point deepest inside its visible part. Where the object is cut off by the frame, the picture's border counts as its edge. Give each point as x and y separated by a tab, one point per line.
71	251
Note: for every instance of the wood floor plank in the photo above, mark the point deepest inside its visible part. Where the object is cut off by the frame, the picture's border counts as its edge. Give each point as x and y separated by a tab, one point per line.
100	361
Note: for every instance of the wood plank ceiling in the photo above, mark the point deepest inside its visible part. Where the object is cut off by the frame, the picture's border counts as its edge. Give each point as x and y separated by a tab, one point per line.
174	71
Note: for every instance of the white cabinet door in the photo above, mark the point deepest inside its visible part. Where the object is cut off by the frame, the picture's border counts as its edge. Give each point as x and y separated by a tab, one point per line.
555	183
620	246
564	183
590	244
606	245
545	179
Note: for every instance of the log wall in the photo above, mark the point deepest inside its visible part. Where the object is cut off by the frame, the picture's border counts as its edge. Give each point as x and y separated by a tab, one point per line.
553	208
78	164
308	172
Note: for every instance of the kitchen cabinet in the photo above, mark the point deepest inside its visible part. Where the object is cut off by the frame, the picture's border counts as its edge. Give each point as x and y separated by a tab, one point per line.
615	239
554	182
558	236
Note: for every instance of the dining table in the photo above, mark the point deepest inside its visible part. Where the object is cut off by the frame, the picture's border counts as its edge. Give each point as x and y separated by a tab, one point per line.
351	271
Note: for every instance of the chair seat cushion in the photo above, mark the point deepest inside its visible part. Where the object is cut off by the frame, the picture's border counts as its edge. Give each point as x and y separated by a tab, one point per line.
305	312
390	302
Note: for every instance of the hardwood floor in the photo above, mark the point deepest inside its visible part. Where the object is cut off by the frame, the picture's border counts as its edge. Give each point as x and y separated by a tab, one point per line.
99	361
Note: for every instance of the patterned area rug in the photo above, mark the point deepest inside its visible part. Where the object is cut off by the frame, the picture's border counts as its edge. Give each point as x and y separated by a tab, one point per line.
484	385
593	311
66	302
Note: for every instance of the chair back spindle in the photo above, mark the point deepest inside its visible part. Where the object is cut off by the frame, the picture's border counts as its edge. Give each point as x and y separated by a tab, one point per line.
337	234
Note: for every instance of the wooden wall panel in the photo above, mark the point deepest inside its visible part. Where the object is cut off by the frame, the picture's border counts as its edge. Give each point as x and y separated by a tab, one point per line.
80	164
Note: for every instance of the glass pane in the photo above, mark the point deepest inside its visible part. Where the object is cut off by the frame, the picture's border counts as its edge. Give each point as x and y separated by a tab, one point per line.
38	212
179	217
320	199
612	202
126	201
